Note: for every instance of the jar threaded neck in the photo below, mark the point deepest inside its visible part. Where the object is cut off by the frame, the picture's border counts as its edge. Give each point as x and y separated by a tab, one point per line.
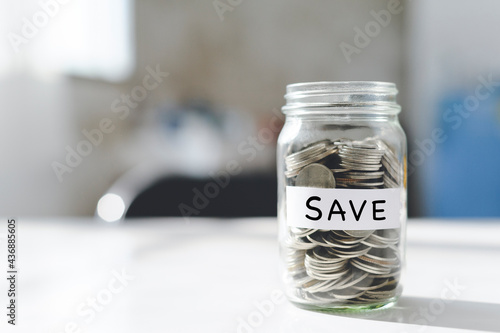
378	96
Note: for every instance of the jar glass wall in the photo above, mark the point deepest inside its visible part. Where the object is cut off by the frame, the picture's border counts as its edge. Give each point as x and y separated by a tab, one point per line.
342	195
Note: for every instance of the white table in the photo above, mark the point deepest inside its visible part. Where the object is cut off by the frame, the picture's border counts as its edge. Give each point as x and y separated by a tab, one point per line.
222	276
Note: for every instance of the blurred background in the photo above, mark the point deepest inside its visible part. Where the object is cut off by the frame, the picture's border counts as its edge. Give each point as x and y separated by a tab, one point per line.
150	108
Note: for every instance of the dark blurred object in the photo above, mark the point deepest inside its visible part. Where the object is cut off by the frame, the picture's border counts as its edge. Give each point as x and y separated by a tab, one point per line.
244	196
179	148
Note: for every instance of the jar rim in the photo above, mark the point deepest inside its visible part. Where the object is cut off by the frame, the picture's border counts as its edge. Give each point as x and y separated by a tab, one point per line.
335	86
344	94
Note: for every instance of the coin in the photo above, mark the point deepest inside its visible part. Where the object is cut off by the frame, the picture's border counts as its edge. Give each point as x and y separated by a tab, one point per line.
359	233
315	175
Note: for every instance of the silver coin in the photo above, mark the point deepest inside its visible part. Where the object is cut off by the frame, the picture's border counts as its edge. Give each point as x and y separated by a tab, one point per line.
308	151
359	233
347	293
365	175
315	175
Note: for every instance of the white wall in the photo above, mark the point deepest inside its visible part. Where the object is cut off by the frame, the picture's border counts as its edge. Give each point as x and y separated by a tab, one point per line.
247	59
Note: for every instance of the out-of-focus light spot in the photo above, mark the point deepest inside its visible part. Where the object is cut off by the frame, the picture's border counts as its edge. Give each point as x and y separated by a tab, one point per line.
111	207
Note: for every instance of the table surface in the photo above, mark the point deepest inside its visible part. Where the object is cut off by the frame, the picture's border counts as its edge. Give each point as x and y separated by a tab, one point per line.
211	275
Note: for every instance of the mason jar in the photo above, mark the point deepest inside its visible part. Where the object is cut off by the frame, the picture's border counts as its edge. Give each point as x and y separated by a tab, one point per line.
342	195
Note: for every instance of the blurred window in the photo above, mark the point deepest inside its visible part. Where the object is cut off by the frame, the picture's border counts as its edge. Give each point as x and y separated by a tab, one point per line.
87	38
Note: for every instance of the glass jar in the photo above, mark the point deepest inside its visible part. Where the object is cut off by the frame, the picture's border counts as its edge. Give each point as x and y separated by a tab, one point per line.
342	195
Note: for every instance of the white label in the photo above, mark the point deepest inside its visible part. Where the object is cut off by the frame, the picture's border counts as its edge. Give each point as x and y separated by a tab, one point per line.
343	209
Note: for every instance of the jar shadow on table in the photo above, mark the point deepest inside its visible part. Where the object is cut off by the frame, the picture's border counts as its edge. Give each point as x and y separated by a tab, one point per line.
437	313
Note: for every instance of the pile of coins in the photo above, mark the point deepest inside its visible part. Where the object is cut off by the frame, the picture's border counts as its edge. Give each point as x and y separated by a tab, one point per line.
345	266
353	164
